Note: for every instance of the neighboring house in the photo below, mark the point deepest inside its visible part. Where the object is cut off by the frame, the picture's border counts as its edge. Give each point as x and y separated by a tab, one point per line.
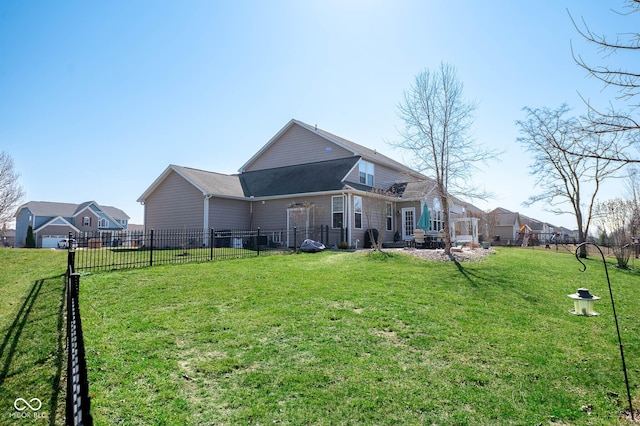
304	177
567	235
53	221
7	237
512	228
507	226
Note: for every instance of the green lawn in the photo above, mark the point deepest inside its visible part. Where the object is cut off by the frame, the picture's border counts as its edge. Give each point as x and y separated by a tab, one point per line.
338	338
32	334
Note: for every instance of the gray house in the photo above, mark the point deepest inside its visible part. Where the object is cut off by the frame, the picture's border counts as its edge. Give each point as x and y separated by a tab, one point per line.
302	178
53	221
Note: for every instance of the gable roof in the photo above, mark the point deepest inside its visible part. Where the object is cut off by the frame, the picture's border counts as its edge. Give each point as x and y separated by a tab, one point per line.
297	179
209	183
304	178
357	149
112	212
57	221
50	208
508	219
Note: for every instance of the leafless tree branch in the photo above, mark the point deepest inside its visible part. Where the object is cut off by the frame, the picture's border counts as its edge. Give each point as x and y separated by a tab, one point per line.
11	193
625	81
437	120
563	162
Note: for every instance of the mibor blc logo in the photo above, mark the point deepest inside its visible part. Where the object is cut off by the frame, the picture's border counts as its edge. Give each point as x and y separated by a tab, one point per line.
21	404
26	409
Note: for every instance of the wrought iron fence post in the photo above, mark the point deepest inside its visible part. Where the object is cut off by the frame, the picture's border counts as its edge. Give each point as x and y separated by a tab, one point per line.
258	241
151	249
295	237
211	244
71	257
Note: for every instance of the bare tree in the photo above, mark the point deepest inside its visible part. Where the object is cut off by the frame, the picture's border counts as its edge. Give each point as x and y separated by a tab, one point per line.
614	217
11	193
622	79
633	190
375	209
562	176
437	120
490	221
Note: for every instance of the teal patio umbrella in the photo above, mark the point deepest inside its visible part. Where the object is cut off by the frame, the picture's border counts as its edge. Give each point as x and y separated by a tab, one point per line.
425	218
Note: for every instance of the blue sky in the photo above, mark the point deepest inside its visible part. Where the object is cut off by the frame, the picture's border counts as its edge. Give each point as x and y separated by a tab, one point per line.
98	98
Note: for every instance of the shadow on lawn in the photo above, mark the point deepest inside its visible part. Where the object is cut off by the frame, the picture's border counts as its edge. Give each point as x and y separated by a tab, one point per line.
32	350
472	278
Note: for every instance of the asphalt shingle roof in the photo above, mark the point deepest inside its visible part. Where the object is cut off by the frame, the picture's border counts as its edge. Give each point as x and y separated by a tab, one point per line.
51	208
297	179
211	182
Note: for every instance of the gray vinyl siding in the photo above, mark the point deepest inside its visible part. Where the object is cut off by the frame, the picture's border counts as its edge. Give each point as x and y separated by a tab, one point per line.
298	146
174	204
506	233
229	214
270	214
273	213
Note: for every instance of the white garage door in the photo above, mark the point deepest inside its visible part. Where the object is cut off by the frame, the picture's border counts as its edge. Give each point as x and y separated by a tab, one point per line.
49	241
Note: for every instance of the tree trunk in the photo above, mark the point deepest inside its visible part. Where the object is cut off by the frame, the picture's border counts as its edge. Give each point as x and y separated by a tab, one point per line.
447	228
583	249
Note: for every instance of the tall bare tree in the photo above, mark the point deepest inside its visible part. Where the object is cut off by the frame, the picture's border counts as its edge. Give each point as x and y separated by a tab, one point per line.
564	176
11	193
614	217
437	120
617	54
633	194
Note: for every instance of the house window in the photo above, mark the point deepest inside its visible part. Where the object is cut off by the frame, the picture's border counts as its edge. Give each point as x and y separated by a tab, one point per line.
337	210
357	208
366	173
86	221
103	223
389	212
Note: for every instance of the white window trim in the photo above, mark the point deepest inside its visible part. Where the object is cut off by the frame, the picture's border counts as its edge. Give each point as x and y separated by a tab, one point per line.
356	212
333	211
369	173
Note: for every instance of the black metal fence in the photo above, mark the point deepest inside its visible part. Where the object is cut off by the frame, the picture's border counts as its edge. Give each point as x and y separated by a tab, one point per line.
78	409
110	250
134	249
530	239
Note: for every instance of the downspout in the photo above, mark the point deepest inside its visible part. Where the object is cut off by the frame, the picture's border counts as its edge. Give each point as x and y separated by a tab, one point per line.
205	227
144	214
251	213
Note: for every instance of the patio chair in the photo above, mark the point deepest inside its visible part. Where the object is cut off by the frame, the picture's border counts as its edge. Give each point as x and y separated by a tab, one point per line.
418	238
